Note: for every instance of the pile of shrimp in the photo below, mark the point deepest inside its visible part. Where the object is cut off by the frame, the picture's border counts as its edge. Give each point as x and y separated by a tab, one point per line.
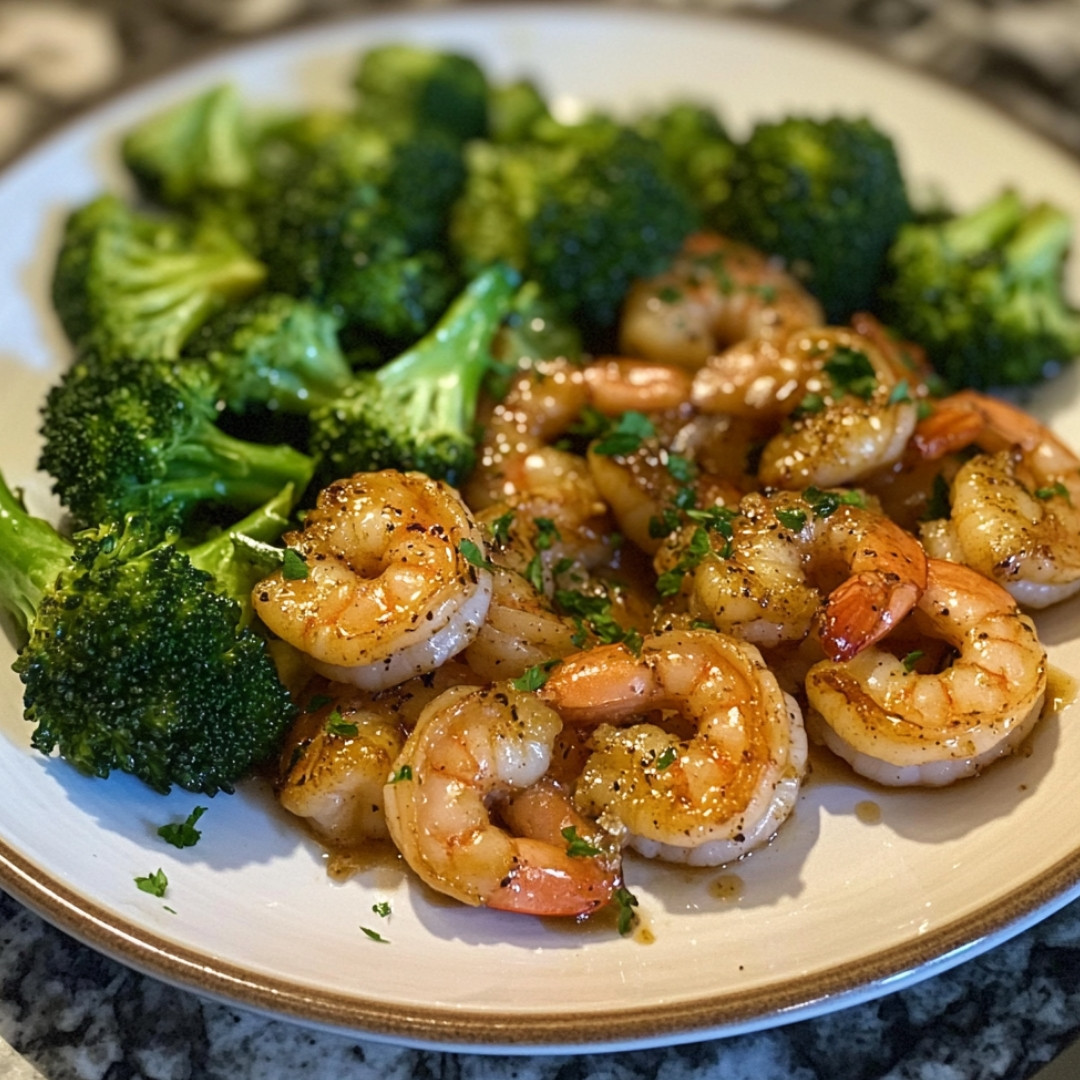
670	570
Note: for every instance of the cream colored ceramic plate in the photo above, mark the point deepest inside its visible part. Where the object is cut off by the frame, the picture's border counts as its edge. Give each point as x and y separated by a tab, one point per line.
864	890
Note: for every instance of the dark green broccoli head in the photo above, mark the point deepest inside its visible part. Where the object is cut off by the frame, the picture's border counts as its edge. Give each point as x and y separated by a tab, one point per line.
417	411
982	292
130	435
274	351
199	149
828	196
354	221
697	150
409	87
130	284
134	661
619	215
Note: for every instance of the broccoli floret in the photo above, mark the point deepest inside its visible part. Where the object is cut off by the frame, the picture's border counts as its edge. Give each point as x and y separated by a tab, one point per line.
982	293
130	435
136	658
698	151
199	149
515	110
418	410
410	87
356	221
273	351
583	215
828	196
127	283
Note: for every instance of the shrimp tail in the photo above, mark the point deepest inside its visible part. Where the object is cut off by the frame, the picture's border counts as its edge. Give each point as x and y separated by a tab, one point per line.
862	610
544	881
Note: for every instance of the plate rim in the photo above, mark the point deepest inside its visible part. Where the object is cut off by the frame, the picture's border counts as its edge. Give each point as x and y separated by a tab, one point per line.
773	1004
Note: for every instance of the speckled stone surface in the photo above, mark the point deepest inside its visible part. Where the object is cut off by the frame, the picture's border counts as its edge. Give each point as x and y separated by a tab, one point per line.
72	1013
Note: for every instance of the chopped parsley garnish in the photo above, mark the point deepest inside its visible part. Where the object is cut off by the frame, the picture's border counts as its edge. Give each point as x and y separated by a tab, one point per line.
382	909
1054	490
825	503
317	701
626	436
699	545
474	555
912	659
625	901
852	373
336	725
593	612
664	524
155	884
374	935
403	773
576	846
667	758
182	834
900	393
500	527
681	468
811	403
293	566
547	533
794	520
534	573
533	678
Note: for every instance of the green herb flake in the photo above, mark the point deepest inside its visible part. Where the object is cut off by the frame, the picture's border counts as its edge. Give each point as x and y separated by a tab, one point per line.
912	659
667	758
382	909
900	393
500	527
547	533
576	846
1056	490
852	373
183	834
795	520
374	935
155	884
337	725
632	429
810	404
681	468
293	566
825	503
625	902
317	701
533	678
404	772
472	554
938	505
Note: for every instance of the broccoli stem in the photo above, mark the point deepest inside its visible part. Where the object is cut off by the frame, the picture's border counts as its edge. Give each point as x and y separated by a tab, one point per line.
216	466
32	554
1037	246
440	375
985	228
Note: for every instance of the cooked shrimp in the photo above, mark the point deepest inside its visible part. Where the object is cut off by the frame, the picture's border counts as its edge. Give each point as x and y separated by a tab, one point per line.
336	757
618	384
473	752
856	416
900	726
643	484
780	564
716	292
1016	509
388	591
708	787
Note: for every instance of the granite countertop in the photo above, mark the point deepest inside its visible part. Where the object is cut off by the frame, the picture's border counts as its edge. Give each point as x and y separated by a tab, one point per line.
72	1013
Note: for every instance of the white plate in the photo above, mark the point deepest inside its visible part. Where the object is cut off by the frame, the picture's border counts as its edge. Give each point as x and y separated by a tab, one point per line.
864	890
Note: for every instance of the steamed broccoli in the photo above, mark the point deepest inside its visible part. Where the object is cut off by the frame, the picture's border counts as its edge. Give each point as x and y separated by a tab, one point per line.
355	220
828	196
582	210
130	435
982	293
698	151
274	351
201	148
137	658
407	87
418	410
126	283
